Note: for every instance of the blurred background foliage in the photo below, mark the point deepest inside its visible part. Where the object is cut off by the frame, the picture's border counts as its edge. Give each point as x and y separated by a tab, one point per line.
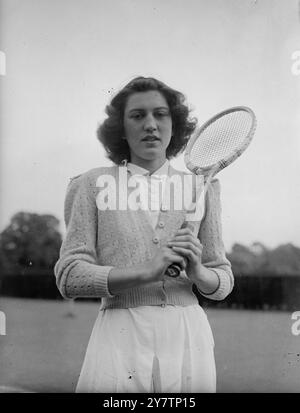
29	241
282	260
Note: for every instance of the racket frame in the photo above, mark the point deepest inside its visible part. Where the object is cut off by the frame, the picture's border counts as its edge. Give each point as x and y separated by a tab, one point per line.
217	167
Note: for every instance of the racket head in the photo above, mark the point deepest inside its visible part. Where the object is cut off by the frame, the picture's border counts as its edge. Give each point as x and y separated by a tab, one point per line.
220	140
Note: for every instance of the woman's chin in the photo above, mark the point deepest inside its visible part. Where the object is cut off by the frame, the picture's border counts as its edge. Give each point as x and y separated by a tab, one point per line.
153	153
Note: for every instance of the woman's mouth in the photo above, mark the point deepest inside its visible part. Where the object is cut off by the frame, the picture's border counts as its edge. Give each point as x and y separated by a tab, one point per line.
150	138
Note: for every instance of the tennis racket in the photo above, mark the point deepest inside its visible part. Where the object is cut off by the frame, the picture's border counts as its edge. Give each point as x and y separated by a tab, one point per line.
215	145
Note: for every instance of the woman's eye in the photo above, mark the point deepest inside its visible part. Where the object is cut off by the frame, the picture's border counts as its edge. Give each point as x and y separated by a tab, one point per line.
137	116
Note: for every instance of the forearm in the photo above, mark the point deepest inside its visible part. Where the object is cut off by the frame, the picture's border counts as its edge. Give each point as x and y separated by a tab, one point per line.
120	279
213	253
206	280
96	281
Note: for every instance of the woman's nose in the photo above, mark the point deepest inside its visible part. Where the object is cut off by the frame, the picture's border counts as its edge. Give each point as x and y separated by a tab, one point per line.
150	124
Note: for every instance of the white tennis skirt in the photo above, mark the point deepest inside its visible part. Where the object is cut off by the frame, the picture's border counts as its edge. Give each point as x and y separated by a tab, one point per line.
150	349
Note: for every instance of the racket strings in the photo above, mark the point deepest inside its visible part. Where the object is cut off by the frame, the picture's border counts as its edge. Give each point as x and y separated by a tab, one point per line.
220	138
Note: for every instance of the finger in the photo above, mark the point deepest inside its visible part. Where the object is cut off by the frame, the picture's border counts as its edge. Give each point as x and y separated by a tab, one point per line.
178	259
187	245
173	256
184	231
188	240
187	253
185	238
193	250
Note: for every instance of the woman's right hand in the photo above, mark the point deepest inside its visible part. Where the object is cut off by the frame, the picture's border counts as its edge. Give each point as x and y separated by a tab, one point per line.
157	266
121	279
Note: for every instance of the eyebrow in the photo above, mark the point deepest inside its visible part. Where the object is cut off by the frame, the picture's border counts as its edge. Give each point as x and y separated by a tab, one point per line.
142	109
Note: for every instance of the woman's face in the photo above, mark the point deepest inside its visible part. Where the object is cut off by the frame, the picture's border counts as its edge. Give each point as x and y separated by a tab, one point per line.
148	127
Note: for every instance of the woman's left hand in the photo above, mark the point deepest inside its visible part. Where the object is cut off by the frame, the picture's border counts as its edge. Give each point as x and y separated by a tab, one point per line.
188	245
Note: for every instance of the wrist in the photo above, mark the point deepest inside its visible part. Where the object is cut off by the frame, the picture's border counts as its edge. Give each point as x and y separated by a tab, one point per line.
207	280
199	274
120	279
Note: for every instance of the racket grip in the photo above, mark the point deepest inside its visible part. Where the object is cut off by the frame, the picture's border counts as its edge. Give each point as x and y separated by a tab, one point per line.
173	270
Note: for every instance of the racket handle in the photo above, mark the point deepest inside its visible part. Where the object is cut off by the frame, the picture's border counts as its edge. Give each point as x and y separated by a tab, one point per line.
173	270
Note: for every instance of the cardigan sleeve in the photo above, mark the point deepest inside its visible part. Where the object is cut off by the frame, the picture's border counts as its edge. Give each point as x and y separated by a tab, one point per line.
213	253
77	271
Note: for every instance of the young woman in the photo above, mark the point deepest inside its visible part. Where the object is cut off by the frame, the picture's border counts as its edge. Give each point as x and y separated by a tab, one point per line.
151	335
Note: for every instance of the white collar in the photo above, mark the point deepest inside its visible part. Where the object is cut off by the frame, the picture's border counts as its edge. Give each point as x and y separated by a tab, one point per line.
138	170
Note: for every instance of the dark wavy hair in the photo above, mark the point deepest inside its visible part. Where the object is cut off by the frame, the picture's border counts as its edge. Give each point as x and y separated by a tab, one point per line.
111	131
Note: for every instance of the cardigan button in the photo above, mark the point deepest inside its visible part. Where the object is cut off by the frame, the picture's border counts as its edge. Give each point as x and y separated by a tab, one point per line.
155	240
164	208
161	224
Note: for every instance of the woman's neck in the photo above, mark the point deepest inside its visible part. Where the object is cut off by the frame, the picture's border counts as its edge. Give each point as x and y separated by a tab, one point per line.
151	165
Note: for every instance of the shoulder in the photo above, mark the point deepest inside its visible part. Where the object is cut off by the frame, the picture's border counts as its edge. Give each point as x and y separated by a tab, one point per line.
84	185
82	189
89	178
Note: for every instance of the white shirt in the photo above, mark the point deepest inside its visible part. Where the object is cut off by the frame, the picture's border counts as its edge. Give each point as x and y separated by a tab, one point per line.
152	187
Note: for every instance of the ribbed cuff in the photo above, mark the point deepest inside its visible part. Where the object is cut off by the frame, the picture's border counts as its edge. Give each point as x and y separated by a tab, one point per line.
101	281
223	288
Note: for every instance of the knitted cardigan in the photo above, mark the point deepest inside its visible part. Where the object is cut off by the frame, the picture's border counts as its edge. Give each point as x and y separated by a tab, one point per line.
98	240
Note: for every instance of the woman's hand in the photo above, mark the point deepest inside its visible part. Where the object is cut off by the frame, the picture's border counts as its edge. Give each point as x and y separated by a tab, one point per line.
121	279
158	265
184	249
188	246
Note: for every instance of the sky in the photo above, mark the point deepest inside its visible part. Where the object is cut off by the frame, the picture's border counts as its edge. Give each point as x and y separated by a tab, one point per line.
66	58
